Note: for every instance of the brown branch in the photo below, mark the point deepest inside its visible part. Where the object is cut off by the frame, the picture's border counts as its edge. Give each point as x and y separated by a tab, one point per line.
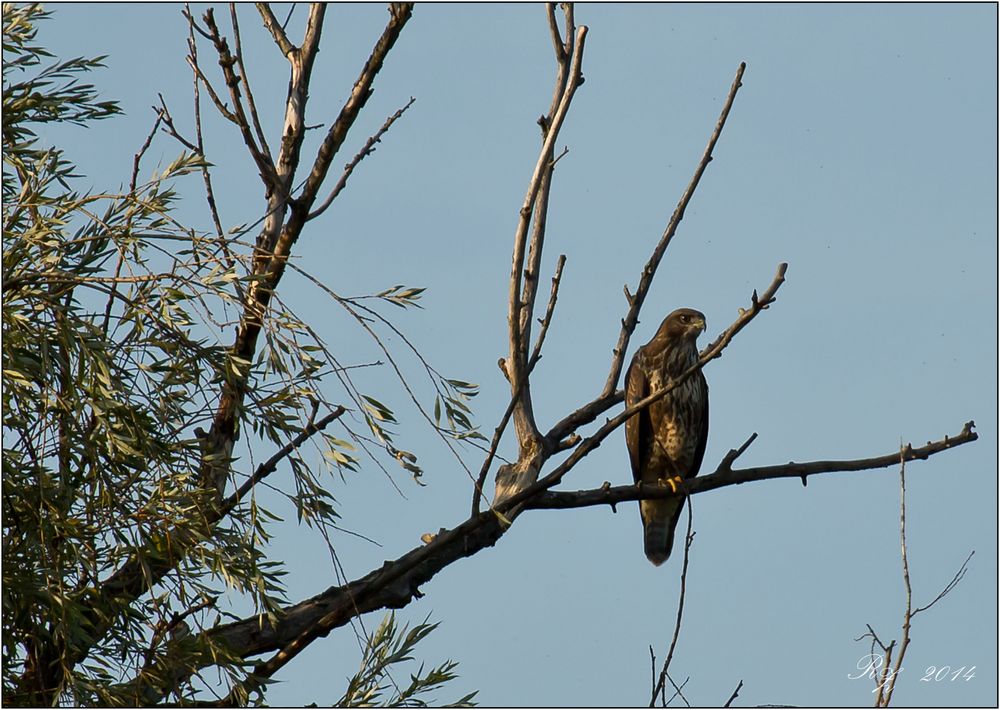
227	61
886	697
523	282
268	467
725	476
276	30
536	355
168	122
544	321
590	443
393	586
398	582
736	694
251	104
399	15
649	271
948	587
367	150
688	540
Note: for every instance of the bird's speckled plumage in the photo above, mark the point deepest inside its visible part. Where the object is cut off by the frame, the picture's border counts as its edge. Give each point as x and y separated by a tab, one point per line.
667	438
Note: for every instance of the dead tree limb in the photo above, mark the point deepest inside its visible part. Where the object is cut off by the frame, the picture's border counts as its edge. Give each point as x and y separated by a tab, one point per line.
724	476
524	279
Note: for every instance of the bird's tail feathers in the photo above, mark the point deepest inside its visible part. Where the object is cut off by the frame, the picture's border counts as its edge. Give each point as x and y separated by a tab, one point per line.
659	520
659	540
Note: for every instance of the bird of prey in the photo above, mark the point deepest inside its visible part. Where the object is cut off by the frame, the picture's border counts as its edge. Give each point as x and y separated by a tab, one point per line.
666	440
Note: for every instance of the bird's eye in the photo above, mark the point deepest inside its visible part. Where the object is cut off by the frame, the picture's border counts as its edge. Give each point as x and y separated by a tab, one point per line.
685	319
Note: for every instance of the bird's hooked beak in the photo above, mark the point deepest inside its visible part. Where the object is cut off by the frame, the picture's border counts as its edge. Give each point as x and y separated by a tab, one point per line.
700	325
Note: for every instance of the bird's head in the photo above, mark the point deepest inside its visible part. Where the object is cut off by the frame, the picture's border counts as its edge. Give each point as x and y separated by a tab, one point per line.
683	324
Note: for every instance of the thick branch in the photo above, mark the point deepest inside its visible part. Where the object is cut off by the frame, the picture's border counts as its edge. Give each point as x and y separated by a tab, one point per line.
392	586
536	355
724	476
398	582
523	282
276	30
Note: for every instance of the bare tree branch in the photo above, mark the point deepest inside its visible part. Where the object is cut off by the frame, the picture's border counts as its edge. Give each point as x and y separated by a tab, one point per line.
885	691
536	355
227	61
523	282
688	540
367	150
948	587
251	104
736	693
887	684
725	476
270	466
398	582
276	30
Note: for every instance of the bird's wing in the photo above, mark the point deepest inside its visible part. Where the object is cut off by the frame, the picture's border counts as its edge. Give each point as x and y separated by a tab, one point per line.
637	428
699	452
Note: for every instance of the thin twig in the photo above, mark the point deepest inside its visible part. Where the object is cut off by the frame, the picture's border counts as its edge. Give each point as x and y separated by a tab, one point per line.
908	611
368	149
268	467
226	60
678	691
688	540
251	104
948	587
736	693
536	353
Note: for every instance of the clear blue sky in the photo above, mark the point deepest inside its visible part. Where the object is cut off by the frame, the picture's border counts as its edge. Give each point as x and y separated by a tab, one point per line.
861	150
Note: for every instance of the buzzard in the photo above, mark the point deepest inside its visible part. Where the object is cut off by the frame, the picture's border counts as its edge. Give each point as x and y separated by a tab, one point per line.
667	439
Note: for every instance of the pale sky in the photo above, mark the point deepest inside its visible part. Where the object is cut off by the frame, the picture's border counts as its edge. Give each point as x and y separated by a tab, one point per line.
861	150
